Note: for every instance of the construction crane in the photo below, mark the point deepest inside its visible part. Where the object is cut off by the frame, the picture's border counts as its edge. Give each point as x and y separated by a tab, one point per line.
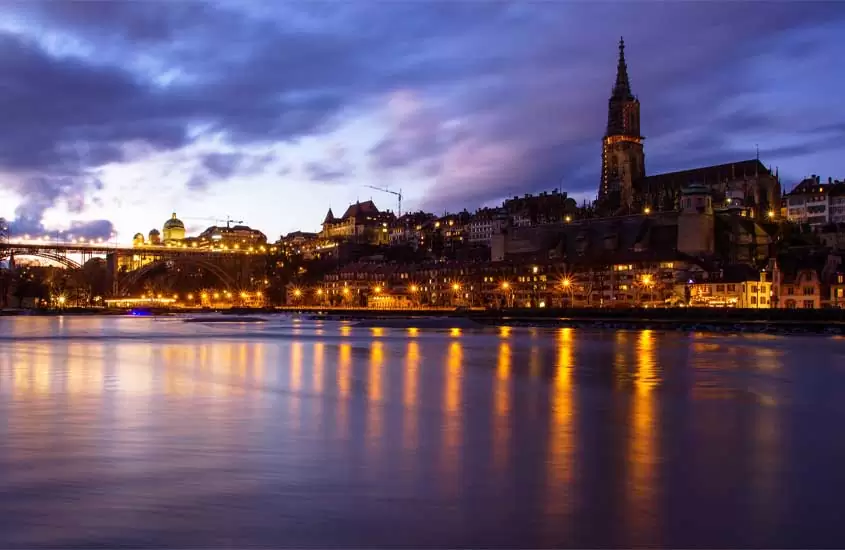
397	193
228	221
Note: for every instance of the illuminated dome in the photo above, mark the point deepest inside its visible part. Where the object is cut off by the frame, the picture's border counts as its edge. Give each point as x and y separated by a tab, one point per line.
155	236
173	230
138	239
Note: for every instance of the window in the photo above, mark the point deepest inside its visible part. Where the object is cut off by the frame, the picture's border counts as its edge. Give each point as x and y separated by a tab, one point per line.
720	288
790	291
808	304
753	288
809	291
840	279
840	293
754	300
731	288
762	300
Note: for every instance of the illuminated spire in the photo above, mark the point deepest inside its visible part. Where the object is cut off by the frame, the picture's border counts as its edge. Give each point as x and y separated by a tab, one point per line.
622	88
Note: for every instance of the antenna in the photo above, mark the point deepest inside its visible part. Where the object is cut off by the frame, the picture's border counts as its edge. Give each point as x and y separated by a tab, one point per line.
757	149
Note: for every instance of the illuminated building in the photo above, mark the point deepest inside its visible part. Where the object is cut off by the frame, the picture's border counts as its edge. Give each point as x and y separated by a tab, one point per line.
622	157
625	189
362	222
173	230
236	236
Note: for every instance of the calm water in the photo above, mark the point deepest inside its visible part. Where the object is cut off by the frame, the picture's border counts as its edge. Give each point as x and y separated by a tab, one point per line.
151	432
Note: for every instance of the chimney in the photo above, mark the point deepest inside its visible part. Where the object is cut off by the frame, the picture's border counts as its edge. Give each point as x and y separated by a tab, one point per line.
829	179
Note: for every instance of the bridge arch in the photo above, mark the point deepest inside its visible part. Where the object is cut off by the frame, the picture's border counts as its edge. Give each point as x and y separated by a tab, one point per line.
134	277
61	259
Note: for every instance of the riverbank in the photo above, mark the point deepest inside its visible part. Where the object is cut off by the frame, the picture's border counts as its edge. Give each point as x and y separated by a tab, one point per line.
768	321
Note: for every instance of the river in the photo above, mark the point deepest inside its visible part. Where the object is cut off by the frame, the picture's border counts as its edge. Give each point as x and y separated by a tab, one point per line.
155	432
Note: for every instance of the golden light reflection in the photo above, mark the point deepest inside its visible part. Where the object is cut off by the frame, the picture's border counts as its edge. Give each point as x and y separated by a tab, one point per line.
377	331
501	420
410	412
504	332
374	388
413	331
319	357
344	369
375	411
562	440
296	366
412	361
453	377
643	453
345	330
454	332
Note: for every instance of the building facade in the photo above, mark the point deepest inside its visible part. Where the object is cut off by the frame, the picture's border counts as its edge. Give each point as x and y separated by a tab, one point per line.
622	155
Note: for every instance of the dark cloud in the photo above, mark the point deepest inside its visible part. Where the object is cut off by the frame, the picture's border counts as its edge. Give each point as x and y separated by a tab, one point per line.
218	167
331	169
486	99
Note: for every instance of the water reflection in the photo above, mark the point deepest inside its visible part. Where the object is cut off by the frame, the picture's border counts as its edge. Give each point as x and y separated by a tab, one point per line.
501	424
643	484
410	431
498	437
560	462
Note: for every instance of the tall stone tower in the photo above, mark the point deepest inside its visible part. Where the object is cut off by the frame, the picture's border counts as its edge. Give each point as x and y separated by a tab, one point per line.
622	158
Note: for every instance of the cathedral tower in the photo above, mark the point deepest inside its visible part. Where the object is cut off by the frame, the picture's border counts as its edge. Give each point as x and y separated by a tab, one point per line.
622	158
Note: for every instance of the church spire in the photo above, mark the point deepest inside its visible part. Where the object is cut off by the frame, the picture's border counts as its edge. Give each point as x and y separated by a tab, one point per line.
622	88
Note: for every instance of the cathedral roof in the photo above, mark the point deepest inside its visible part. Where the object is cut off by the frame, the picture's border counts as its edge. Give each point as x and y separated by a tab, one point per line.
329	217
622	87
707	175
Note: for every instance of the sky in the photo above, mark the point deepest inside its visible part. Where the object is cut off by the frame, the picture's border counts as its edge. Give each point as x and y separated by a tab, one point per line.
115	114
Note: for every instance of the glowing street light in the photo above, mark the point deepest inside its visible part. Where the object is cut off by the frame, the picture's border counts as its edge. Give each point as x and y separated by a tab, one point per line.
456	287
297	292
566	283
414	288
377	289
505	285
646	210
771	214
346	291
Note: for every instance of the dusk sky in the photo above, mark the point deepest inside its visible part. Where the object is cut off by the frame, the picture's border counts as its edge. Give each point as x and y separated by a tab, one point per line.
116	114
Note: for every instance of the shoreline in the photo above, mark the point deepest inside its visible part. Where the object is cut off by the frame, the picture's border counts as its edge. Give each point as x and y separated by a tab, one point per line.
776	322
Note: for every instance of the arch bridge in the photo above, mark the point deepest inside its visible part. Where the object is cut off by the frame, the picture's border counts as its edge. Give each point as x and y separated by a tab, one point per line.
123	285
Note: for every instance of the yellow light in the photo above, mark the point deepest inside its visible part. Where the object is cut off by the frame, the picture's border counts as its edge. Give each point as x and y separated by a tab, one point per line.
319	292
505	285
377	289
414	288
175	296
216	295
771	213
204	295
346	291
566	282
568	219
244	294
456	286
297	293
647	210
190	296
159	296
646	279
535	269
237	246
259	294
61	299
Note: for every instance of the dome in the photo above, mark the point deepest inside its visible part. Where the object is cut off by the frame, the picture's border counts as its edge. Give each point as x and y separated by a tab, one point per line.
138	236
174	222
154	232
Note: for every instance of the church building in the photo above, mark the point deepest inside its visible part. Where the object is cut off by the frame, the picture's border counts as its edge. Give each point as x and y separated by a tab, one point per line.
626	189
